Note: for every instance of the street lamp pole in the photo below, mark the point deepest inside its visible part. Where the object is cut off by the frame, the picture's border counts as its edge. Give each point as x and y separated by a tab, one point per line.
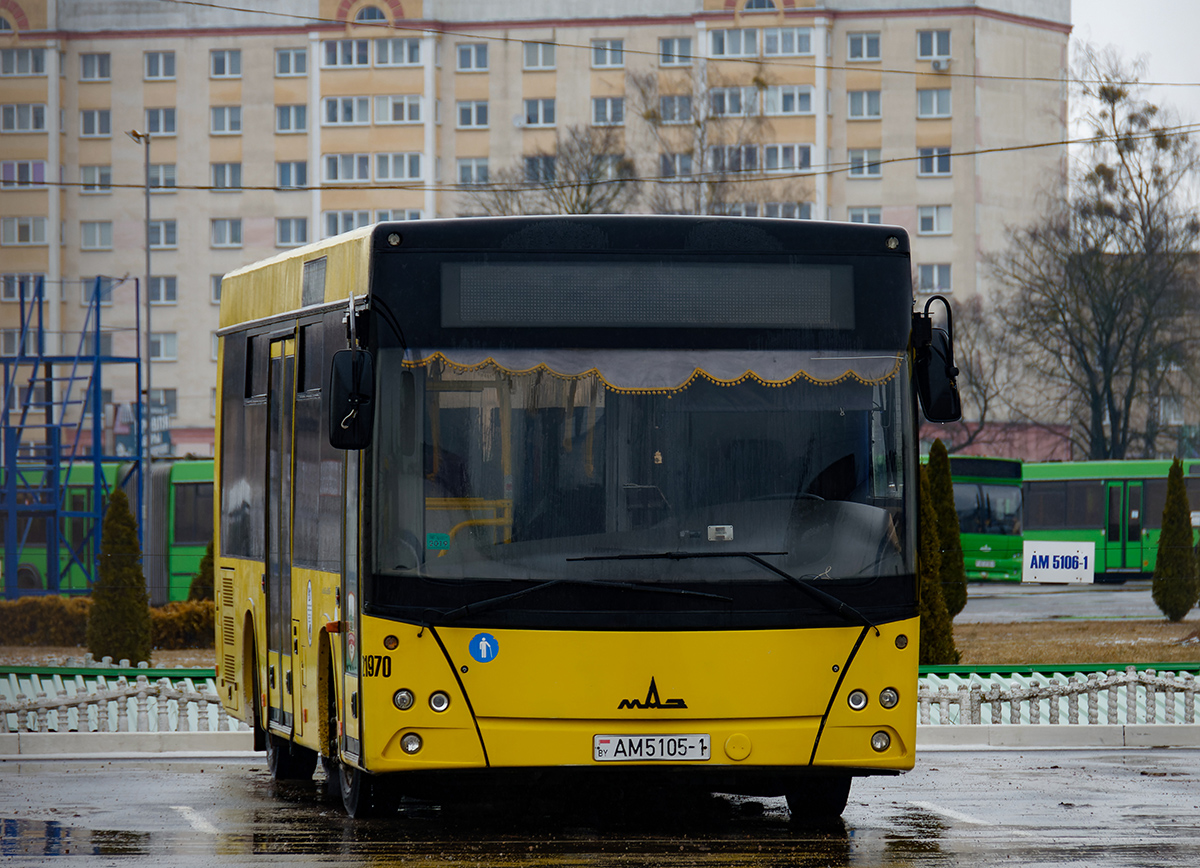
147	456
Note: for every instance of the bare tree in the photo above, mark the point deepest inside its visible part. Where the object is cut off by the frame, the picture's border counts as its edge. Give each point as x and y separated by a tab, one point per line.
587	173
1101	294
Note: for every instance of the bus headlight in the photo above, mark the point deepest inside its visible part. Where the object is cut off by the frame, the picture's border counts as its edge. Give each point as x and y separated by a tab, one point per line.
410	742
857	699
403	699
439	701
888	697
881	741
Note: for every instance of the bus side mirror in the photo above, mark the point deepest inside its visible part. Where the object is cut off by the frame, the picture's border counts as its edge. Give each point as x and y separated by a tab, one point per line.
351	399
935	370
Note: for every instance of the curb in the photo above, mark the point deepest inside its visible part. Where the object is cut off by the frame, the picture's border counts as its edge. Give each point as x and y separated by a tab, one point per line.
74	743
1078	736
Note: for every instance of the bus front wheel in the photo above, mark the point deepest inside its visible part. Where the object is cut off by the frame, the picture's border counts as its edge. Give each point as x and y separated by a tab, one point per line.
287	761
824	798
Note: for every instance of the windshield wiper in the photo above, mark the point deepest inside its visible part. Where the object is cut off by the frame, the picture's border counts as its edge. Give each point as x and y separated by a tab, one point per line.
493	602
830	602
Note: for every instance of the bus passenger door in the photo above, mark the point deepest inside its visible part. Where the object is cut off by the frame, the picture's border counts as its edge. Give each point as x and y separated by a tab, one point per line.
1123	527
350	712
1133	525
280	406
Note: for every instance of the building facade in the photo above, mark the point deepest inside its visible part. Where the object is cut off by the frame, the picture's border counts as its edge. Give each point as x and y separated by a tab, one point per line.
271	128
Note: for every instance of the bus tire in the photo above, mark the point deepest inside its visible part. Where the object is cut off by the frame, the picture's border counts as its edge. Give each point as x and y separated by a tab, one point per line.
824	798
288	761
364	794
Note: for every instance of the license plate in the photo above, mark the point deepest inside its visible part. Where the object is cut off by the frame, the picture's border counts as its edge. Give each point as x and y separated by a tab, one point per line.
643	748
985	563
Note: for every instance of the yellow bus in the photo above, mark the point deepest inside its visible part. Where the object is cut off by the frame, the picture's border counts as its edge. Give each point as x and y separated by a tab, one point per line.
629	498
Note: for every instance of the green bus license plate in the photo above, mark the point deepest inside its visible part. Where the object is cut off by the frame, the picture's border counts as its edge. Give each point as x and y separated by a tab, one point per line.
641	748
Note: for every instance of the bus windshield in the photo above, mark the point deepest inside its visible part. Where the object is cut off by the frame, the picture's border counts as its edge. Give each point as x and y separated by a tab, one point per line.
493	464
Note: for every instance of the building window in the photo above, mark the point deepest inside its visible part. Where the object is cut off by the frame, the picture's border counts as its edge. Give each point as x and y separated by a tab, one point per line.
608	111
347	168
20	231
862	47
291	62
608	53
337	222
473	170
740	209
226	120
865	215
225	63
864	104
788	210
94	67
160	121
934	220
784	41
291	118
369	13
734	158
934	278
346	53
789	99
675	51
162	176
17	287
22	61
472	57
95	235
1170	410
398	167
733	101
163	234
226	232
404	109
675	165
163	290
159	64
787	158
214	288
226	176
864	163
933	44
539	168
676	109
291	175
347	111
27	173
165	399
933	103
10	345
95	123
31	118
734	43
539	112
933	161
758	4
92	289
473	114
539	55
291	231
393	214
398	52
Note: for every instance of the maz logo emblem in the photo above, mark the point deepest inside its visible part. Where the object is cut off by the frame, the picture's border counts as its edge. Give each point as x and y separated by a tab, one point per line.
651	700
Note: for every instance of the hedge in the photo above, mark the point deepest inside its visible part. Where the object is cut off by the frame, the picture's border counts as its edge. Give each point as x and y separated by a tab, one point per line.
62	622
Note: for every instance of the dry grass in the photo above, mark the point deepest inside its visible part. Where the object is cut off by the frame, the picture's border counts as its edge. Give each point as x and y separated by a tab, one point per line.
1068	642
1031	643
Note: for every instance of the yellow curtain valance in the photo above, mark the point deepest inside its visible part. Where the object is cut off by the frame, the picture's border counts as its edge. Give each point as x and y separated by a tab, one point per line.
659	371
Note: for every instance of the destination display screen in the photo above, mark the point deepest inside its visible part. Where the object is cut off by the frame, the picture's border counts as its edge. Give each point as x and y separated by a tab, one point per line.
616	294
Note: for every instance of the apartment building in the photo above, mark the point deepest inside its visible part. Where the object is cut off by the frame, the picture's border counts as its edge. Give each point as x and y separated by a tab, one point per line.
271	128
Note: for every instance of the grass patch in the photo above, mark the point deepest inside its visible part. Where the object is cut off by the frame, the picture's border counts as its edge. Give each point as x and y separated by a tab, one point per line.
1068	641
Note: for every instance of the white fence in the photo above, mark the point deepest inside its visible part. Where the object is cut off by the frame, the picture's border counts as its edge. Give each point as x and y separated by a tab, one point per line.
1129	697
96	705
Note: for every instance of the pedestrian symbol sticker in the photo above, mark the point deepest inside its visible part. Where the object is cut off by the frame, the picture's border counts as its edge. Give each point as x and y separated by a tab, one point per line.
484	647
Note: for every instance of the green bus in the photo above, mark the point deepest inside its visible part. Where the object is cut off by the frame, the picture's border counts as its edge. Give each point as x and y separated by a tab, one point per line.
1118	505
987	498
181	526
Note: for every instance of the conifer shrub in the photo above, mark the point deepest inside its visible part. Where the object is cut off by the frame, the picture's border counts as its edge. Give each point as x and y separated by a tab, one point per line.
1174	588
941	489
119	622
201	587
937	630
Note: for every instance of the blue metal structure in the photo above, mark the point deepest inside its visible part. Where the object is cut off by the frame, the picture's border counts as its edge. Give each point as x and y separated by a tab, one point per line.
49	401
